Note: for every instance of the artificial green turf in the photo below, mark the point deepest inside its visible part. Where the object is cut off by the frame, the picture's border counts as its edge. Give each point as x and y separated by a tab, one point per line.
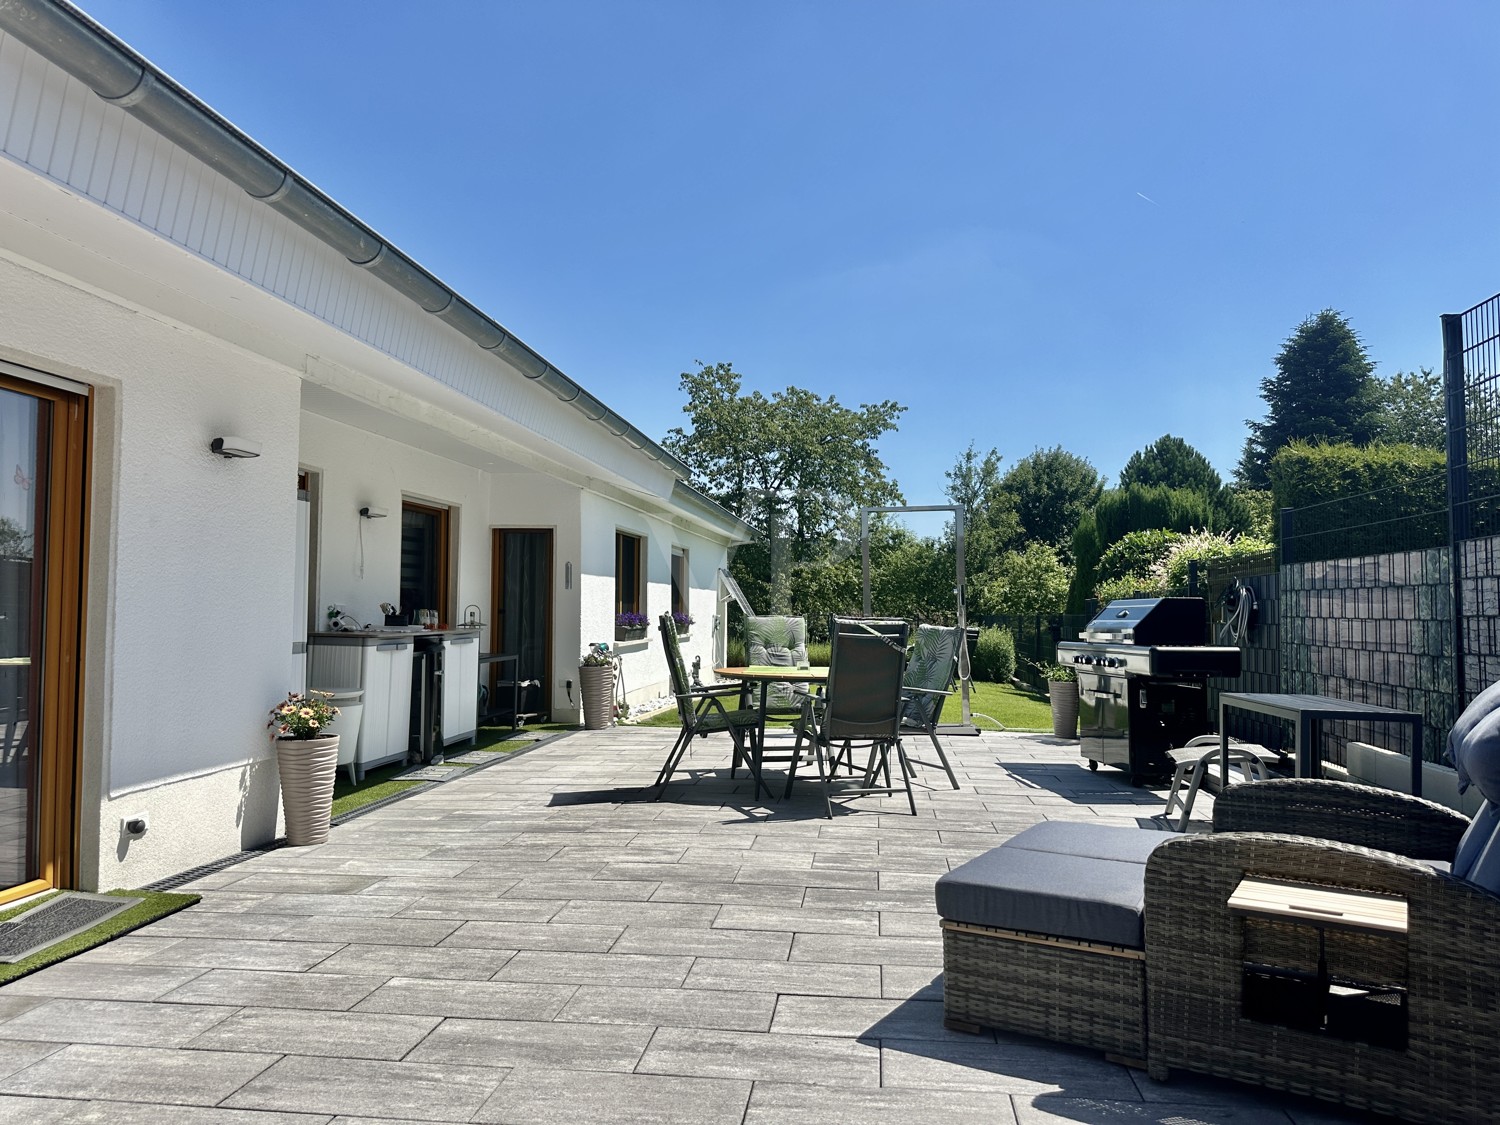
1011	708
155	904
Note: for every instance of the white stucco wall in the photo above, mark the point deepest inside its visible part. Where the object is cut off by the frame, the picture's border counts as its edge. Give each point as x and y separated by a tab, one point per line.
188	570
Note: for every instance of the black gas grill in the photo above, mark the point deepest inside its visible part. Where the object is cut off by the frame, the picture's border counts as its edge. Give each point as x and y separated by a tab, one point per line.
1143	673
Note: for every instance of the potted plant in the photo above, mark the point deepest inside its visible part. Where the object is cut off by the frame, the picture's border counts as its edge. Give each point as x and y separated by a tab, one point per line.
630	626
307	759
1062	691
596	682
683	622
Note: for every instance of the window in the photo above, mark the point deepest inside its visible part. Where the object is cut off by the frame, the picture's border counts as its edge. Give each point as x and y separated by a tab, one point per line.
424	559
628	572
679	582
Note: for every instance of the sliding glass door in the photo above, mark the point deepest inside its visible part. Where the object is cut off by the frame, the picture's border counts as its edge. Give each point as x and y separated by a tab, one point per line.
42	460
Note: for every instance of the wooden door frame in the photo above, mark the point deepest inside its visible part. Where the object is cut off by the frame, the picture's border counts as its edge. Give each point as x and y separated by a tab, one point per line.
497	596
446	612
56	741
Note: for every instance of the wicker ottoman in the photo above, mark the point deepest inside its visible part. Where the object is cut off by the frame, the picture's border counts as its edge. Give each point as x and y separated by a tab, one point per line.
1043	935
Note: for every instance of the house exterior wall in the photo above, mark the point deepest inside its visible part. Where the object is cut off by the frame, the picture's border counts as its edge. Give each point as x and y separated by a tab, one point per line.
192	311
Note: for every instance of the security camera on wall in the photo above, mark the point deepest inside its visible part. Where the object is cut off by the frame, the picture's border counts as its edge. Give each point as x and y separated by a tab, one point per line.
231	446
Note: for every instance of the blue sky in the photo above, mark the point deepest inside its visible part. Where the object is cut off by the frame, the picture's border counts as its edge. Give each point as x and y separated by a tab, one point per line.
1085	224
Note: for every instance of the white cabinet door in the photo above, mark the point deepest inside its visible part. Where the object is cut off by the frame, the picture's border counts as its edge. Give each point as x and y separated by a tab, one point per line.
374	727
460	687
398	696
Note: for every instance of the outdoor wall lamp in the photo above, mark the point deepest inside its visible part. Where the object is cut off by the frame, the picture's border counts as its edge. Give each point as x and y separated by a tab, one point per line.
231	446
370	512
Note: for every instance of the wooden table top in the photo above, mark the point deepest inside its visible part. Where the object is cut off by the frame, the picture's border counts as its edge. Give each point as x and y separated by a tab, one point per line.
1320	906
773	672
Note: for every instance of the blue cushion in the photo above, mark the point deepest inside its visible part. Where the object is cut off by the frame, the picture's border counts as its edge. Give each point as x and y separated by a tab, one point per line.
1046	892
1477	757
1099	841
1482	705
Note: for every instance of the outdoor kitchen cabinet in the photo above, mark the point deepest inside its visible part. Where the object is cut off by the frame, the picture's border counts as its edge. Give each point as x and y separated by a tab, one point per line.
460	692
380	664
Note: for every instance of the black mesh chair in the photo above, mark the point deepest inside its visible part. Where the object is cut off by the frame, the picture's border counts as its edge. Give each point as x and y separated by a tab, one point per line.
703	713
861	706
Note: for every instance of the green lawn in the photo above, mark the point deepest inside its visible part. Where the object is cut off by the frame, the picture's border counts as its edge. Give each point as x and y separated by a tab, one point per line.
1011	708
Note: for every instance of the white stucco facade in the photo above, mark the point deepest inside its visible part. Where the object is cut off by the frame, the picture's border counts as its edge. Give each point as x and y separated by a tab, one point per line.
188	311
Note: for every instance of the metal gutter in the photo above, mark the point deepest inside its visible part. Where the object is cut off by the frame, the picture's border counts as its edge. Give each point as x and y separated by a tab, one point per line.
71	40
686	496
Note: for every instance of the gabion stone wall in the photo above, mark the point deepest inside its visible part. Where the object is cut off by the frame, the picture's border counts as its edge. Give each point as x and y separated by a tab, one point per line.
1377	629
1480	583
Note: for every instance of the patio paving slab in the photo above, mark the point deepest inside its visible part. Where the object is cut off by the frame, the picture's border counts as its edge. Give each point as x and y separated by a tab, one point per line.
536	1096
117	1022
84	980
671	1007
138	1074
787	1103
595	968
63	1112
762	1057
325	991
477	999
419	1091
508	1043
408	961
352	1035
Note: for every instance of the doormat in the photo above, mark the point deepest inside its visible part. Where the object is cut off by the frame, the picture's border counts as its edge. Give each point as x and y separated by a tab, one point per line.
472	757
430	773
57	919
149	906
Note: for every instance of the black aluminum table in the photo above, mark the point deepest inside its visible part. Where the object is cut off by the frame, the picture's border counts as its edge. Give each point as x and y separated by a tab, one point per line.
1305	712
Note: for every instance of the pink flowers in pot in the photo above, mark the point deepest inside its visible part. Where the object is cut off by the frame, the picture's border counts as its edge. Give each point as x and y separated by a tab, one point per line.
302	717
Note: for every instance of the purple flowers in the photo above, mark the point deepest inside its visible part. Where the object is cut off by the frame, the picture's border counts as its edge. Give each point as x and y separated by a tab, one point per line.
683	620
630	621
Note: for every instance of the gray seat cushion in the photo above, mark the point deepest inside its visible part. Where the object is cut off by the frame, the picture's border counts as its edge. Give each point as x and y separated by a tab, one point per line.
1101	841
1072	896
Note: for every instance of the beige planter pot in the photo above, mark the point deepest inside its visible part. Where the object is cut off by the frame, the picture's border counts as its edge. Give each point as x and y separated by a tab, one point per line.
1064	697
598	686
307	767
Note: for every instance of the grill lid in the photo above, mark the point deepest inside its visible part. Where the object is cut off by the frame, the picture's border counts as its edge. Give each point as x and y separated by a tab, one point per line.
1150	621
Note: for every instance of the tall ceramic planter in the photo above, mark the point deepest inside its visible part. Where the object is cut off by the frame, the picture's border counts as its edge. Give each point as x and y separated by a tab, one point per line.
597	682
307	767
1064	697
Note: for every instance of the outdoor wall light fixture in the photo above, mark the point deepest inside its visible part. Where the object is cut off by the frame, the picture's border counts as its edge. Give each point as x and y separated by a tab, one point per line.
370	512
567	576
231	446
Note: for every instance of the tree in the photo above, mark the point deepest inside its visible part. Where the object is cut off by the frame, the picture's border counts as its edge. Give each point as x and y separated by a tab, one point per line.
15	541
1412	410
1051	490
1173	463
1026	583
794	466
1324	390
990	523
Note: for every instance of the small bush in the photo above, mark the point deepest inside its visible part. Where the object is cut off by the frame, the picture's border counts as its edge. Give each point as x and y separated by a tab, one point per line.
1130	586
1135	553
995	656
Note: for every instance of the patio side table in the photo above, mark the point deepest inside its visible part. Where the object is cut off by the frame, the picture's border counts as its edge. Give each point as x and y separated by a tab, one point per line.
1306	712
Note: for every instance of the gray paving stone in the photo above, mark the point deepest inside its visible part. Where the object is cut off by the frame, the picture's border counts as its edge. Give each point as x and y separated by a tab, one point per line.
13	1005
789	1103
444	963
191	923
276	882
595	968
323	991
127	1113
918	901
137	1074
509	1043
864	1019
358	905
224	953
482	909
535	1096
680	872
806	877
671	1007
911	982
36	1111
526	935
633	890
127	950
734	974
354	1035
228	902
82	980
867	950
672	915
802	920
747	894
119	1022
761	1057
376	931
20	1054
901	923
758	945
1030	1069
421	1091
496	1000
1055	1109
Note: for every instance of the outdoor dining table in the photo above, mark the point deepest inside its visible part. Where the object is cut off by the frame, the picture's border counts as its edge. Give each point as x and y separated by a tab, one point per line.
765	675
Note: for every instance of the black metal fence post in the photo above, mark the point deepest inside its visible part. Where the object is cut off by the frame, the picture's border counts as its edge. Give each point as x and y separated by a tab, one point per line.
1288	556
1459	519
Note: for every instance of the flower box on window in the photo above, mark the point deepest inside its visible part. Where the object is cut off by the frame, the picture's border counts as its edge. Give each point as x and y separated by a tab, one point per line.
630	626
684	623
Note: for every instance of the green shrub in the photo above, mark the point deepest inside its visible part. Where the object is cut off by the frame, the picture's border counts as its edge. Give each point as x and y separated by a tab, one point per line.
734	653
1171	574
1136	552
819	653
994	655
1127	586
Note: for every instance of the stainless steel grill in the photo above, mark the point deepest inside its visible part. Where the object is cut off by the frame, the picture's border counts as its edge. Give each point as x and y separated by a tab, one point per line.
1143	673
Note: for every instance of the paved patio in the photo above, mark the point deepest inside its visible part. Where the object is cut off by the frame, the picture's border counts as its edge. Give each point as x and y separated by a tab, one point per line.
509	948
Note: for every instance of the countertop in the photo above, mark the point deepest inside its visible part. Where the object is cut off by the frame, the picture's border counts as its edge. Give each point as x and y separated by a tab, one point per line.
393	633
